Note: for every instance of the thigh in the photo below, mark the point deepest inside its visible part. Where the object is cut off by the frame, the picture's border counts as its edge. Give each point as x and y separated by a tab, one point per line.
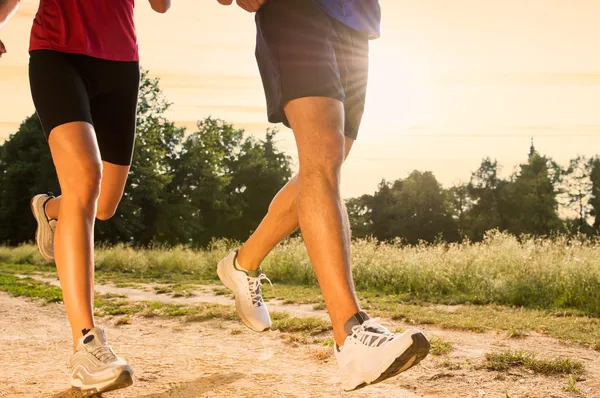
76	157
114	108
295	54
58	89
352	54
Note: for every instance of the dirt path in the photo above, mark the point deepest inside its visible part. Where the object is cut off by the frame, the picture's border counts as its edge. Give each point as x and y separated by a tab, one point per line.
201	295
170	359
175	359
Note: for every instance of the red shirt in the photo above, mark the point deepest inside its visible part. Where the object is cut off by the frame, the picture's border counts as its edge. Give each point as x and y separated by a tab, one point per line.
98	28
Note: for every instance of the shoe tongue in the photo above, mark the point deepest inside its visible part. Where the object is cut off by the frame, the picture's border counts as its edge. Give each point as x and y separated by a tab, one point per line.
357	319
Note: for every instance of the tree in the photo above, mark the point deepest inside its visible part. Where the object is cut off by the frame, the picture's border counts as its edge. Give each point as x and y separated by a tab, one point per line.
577	191
26	169
594	200
258	173
414	209
360	216
461	204
486	189
222	186
156	146
531	198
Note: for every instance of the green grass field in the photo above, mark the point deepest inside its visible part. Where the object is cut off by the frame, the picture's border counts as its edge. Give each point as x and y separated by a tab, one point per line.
550	286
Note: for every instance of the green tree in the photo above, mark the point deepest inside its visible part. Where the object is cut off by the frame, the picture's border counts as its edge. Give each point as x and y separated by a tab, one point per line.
486	189
577	191
26	169
258	173
223	184
360	216
414	209
594	201
156	146
461	204
532	198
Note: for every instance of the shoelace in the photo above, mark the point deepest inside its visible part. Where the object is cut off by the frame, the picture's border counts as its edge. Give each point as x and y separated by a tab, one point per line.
104	354
371	333
256	289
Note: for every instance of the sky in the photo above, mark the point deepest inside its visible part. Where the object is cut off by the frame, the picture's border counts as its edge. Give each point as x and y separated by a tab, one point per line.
451	82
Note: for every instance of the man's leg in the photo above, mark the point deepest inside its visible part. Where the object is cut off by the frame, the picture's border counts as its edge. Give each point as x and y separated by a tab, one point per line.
279	222
318	125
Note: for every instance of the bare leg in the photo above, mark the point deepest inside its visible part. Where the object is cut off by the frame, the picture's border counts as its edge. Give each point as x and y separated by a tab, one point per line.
77	160
281	220
113	182
318	125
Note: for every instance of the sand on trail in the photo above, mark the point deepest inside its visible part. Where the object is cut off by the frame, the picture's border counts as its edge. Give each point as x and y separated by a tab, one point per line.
172	358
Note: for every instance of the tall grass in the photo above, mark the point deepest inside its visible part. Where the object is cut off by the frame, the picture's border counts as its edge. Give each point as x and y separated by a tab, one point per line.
557	273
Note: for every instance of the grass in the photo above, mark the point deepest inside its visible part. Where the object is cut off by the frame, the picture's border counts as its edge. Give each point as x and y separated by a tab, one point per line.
440	346
516	322
506	360
310	325
124	320
518	286
449	364
572	385
27	287
553	274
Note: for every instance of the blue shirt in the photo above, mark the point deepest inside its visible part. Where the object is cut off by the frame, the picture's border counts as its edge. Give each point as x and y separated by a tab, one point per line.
363	15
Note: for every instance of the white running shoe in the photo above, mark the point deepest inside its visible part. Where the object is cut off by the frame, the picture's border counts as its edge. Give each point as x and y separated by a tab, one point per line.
95	368
246	287
44	235
371	353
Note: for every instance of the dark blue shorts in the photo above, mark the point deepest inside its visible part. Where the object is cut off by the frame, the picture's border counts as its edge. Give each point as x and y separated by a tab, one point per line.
302	52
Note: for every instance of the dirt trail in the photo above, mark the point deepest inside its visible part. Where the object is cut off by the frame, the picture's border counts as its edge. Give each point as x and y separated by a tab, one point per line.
200	295
175	359
170	359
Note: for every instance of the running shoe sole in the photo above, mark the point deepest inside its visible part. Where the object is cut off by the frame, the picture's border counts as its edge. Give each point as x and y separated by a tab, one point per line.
123	381
411	357
43	231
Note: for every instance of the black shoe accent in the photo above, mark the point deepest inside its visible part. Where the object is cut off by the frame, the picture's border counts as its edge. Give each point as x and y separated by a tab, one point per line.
88	339
85	331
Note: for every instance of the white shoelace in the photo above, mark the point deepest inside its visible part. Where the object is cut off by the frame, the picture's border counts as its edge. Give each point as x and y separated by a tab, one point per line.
371	333
256	289
104	354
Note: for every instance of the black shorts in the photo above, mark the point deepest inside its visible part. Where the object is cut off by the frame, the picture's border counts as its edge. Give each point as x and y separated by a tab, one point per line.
78	88
302	52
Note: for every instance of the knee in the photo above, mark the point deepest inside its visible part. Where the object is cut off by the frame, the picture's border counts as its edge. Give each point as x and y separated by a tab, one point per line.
325	159
105	212
85	187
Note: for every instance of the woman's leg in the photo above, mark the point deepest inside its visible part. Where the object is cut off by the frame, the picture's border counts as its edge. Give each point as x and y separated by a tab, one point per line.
112	187
77	160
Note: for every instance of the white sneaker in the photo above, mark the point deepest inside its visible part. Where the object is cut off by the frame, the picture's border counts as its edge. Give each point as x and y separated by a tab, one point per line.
95	368
371	353
246	287
44	235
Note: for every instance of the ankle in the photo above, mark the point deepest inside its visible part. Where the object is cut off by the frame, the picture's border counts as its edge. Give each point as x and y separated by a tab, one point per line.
339	337
246	262
50	211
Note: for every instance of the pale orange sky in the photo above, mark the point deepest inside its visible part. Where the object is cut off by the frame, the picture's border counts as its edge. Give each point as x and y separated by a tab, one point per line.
451	81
